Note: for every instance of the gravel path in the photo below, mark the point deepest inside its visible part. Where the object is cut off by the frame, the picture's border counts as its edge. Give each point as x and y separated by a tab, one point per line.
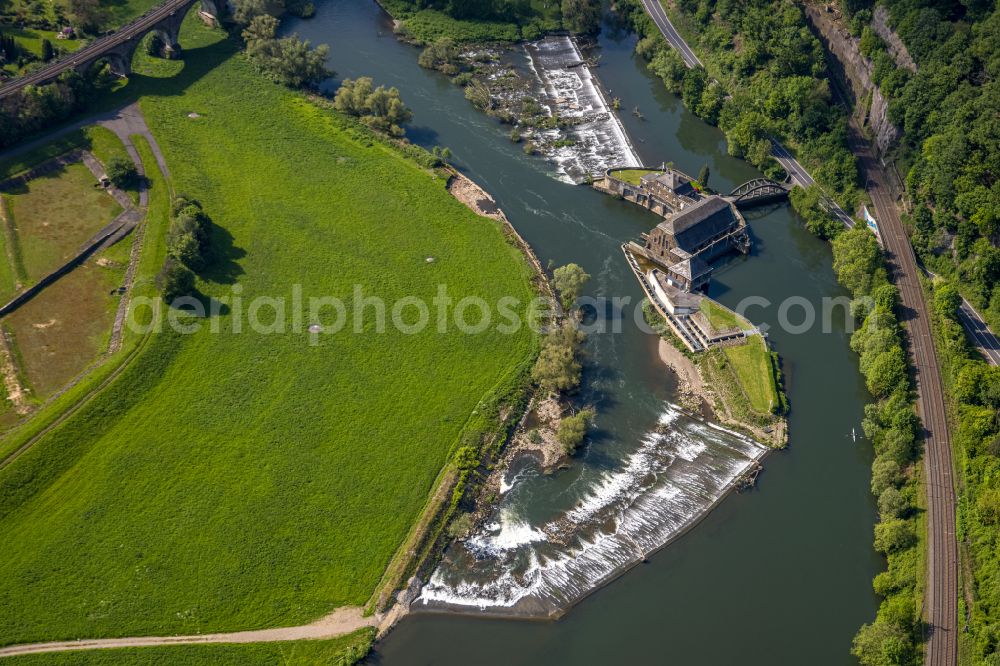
339	622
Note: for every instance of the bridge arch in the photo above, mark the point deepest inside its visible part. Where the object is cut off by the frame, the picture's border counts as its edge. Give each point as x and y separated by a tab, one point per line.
758	190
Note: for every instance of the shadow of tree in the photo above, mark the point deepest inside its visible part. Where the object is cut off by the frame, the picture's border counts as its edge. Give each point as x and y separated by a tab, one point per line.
222	265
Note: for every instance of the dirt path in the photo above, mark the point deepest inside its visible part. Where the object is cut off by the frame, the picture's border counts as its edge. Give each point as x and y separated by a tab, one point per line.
339	622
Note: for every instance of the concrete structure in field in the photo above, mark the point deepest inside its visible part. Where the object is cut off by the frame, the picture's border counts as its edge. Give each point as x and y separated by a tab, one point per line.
119	47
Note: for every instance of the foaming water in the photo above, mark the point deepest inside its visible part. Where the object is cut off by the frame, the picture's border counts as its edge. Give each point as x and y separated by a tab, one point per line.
571	92
675	475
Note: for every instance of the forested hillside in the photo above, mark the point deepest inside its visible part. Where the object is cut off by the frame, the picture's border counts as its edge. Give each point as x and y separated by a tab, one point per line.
764	76
948	111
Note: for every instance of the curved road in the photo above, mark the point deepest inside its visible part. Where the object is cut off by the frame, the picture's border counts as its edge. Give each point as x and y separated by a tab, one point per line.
659	16
95	49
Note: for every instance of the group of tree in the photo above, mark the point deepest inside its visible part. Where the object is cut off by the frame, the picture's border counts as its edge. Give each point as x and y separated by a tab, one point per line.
244	11
380	108
442	55
187	249
581	16
558	366
974	389
891	424
808	203
529	19
947	110
774	85
288	60
34	108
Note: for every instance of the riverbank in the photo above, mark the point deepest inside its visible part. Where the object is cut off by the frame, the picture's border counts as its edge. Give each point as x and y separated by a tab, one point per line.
700	395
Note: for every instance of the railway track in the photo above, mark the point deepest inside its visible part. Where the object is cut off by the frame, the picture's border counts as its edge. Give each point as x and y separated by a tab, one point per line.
941	594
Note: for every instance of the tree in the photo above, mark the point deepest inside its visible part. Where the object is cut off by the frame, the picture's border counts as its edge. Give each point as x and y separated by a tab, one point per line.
262	28
557	367
48	53
572	430
569	281
244	11
894	535
581	16
88	15
885	473
808	203
122	172
703	175
174	280
885	372
882	644
857	259
892	504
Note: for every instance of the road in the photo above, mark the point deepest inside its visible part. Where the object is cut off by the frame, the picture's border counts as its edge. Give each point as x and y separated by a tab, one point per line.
655	10
799	175
982	337
941	594
136	28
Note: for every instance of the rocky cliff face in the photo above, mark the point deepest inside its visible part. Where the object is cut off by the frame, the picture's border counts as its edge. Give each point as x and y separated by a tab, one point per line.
880	24
857	70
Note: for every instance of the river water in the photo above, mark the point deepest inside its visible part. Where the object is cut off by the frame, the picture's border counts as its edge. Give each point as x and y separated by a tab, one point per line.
781	574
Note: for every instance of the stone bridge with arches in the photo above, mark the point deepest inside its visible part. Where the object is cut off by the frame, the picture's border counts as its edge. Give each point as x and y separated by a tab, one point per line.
118	48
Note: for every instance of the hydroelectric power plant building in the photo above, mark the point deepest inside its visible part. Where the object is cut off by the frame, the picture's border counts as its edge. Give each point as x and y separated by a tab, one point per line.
697	227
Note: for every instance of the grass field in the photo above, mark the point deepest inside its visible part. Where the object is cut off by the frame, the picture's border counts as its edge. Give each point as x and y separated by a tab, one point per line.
333	652
751	364
231	481
55	214
63	329
631	176
720	317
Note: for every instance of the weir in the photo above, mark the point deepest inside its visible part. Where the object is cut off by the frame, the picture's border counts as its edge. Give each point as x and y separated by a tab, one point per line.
516	566
573	94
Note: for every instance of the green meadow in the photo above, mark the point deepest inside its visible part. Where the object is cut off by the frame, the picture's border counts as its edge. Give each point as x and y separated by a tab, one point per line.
238	479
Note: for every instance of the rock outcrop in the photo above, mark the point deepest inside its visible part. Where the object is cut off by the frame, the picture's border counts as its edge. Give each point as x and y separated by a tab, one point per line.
869	104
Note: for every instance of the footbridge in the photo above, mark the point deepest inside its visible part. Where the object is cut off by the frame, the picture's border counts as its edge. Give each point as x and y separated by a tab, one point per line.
757	192
118	47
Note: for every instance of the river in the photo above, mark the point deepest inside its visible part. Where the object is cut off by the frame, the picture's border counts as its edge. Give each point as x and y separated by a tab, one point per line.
781	574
